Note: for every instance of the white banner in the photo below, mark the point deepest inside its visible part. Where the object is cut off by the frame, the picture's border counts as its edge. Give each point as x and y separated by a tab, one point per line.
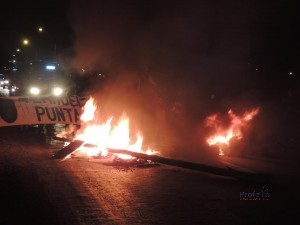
23	110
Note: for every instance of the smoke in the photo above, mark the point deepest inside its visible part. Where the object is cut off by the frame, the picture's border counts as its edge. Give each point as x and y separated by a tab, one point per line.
167	63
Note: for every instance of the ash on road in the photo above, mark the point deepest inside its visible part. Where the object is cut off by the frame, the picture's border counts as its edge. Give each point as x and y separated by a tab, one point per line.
35	189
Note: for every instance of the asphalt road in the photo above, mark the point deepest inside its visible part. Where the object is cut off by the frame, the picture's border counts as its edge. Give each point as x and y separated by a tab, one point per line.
35	189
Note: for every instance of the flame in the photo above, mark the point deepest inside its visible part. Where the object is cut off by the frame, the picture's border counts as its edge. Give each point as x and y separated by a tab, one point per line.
102	136
89	111
223	135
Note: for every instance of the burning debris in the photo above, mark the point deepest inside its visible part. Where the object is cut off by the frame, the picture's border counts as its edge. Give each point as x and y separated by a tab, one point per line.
96	139
104	135
133	162
119	158
226	132
67	150
143	160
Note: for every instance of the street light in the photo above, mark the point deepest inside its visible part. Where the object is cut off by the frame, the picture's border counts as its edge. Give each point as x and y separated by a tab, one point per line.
25	42
40	29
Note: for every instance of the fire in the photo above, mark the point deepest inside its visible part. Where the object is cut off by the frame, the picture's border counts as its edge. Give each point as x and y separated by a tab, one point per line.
224	134
89	111
102	136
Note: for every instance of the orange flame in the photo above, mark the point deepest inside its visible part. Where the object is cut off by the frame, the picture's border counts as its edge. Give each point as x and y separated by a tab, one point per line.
223	135
89	111
104	135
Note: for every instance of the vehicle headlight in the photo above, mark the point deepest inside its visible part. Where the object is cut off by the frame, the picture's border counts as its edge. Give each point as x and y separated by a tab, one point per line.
14	88
6	82
2	82
35	91
57	91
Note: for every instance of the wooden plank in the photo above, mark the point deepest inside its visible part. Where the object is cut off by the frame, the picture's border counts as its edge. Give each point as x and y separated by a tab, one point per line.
69	149
228	172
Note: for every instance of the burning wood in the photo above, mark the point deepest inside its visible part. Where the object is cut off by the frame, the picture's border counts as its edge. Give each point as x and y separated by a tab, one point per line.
100	135
68	150
224	134
228	172
100	139
133	162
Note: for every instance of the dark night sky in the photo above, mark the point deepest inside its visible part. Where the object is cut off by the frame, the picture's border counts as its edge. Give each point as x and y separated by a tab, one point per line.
20	19
267	30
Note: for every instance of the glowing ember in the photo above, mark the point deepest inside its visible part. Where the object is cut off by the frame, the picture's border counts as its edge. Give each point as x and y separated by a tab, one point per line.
223	134
105	135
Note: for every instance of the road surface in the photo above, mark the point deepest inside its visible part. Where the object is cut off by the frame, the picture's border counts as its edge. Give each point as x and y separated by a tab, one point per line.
35	189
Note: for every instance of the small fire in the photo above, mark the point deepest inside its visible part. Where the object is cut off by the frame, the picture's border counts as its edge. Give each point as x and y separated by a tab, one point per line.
102	136
223	134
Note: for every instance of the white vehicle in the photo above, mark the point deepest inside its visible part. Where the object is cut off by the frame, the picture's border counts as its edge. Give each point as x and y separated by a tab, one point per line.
44	79
4	81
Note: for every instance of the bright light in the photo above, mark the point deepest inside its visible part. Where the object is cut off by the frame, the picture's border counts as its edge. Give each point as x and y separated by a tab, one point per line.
50	67
57	91
25	41
35	91
13	89
14	61
18	49
291	73
40	29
